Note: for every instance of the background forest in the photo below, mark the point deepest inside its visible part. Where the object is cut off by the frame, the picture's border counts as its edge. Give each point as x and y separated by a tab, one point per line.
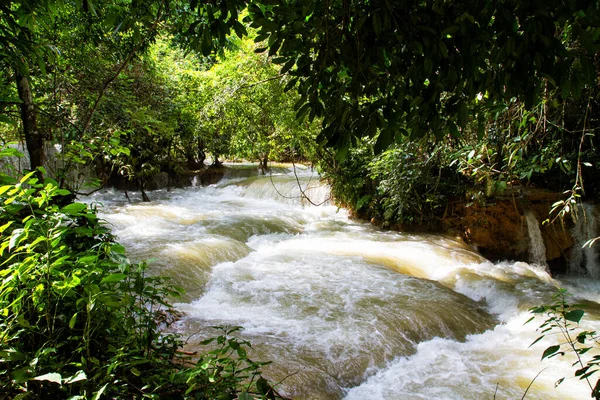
403	107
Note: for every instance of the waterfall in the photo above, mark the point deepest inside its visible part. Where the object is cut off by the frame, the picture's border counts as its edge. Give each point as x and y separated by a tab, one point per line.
16	165
304	190
537	249
584	260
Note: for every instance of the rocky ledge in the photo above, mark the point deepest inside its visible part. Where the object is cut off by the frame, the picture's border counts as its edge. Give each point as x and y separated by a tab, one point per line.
500	229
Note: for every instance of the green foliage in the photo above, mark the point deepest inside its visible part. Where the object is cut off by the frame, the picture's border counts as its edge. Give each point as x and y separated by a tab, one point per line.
365	69
226	372
408	184
520	144
349	180
562	320
257	113
78	320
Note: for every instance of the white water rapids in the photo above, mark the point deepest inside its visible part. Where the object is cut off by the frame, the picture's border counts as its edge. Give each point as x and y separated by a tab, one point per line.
342	309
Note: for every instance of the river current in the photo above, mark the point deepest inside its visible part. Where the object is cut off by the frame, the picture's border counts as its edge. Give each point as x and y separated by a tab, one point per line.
341	308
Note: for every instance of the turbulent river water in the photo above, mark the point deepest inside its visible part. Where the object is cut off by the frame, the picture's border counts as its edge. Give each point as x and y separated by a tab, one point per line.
342	309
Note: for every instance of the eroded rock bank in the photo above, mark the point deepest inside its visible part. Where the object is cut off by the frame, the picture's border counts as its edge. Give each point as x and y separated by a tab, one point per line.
505	228
500	229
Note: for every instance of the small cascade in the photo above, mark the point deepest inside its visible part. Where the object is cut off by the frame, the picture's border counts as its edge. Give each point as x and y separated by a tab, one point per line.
16	165
54	163
584	260
537	249
302	190
317	193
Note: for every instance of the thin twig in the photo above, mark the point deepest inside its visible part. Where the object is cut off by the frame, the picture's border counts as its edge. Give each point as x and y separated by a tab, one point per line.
530	383
250	85
303	194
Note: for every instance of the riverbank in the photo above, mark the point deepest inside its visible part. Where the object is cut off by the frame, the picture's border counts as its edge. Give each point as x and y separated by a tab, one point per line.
516	225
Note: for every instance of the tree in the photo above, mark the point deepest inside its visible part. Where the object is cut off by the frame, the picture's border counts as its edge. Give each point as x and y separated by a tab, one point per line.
123	30
259	110
416	67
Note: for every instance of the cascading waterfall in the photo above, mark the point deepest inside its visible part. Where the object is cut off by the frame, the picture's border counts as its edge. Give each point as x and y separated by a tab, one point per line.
304	190
53	163
537	249
16	164
584	260
342	309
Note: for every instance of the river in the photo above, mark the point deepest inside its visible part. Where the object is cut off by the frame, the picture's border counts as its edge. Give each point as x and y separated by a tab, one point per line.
341	308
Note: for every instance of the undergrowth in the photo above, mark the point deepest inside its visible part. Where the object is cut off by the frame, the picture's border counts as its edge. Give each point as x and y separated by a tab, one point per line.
78	320
561	322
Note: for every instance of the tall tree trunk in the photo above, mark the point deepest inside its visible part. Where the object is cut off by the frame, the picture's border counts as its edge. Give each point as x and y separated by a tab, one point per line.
263	165
201	153
33	138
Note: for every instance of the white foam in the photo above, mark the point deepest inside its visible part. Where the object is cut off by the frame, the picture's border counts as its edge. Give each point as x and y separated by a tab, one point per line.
496	364
348	302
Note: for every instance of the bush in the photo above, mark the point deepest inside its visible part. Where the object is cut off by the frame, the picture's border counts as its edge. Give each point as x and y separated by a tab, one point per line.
78	320
562	322
408	184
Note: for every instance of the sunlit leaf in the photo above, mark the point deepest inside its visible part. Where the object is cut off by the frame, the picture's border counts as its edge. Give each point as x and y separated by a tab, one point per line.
50	377
113	278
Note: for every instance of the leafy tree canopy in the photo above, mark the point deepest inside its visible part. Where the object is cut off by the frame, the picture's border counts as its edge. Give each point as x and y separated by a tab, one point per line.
418	67
381	69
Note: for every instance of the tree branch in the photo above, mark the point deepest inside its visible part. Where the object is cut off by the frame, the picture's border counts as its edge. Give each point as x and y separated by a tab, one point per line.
125	62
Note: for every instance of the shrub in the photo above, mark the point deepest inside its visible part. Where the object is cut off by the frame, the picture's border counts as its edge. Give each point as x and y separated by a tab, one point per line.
78	320
562	321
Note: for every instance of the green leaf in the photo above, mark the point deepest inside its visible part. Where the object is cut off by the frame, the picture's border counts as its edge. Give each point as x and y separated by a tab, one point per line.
245	396
207	341
453	129
16	237
239	29
72	321
377	24
73	208
5	226
5	188
21	375
574	315
536	340
480	129
99	392
550	351
79	376
50	377
10	152
279	60
582	371
113	278
263	386
87	260
288	65
385	139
